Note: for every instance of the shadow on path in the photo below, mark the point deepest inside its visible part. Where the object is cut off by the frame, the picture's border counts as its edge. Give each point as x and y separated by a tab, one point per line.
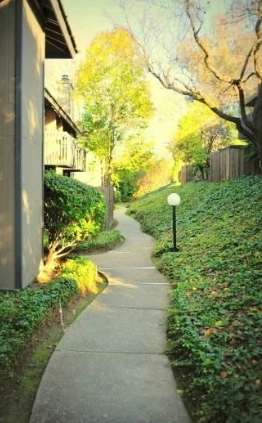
110	366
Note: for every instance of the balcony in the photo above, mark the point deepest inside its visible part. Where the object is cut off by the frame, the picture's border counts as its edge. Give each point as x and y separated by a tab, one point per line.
60	150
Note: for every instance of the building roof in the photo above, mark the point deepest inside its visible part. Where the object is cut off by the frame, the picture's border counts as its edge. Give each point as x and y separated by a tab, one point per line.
60	42
51	102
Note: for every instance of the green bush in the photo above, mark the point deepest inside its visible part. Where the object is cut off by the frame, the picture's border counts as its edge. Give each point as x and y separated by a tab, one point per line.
83	272
73	211
127	184
215	314
103	241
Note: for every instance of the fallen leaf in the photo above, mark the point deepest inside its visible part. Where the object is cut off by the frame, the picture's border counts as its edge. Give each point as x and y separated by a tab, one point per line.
210	331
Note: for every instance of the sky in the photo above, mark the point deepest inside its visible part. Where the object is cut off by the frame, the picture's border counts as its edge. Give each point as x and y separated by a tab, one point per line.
89	17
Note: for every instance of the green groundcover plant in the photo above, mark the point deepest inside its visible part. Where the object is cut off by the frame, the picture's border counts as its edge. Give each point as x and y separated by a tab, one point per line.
22	312
215	313
105	240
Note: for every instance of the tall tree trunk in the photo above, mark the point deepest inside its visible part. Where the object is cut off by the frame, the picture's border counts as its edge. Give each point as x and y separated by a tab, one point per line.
257	119
110	159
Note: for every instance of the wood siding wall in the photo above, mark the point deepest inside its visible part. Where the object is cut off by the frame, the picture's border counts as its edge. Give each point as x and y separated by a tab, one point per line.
31	139
22	48
7	146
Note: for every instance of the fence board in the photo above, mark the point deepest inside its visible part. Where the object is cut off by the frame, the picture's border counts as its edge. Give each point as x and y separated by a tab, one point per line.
186	174
231	162
227	163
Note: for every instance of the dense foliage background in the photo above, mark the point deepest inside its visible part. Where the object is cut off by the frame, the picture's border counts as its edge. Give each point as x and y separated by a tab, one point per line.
215	313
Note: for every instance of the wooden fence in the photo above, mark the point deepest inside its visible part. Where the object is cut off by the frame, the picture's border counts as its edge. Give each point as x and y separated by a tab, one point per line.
225	164
186	175
231	162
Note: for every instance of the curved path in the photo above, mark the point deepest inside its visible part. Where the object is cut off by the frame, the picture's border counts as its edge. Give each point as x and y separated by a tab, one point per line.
110	366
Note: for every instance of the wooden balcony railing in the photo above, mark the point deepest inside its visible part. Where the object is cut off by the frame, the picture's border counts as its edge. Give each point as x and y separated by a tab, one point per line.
60	150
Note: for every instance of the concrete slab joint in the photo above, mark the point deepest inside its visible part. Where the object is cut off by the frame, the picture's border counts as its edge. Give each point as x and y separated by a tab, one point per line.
110	366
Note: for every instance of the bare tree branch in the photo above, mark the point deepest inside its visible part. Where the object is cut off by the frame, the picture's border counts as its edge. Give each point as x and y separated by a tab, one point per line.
222	78
258	30
202	46
4	3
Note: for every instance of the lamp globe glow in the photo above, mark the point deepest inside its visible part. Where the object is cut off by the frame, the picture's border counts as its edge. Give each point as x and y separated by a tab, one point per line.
173	199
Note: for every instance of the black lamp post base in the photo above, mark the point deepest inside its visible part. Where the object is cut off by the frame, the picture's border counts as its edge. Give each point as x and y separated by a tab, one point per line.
174	249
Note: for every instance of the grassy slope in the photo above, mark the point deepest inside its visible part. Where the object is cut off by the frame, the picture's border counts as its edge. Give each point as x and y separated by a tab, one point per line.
215	314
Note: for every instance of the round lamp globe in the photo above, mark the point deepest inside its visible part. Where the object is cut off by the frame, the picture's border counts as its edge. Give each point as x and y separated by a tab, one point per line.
173	199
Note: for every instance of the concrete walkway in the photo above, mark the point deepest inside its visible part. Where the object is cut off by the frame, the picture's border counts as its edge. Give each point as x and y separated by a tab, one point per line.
110	366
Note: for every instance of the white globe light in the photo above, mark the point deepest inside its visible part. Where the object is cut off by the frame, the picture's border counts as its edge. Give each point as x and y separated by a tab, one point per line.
173	199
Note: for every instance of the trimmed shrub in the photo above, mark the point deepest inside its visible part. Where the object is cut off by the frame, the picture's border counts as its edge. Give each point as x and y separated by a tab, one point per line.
73	211
103	241
84	273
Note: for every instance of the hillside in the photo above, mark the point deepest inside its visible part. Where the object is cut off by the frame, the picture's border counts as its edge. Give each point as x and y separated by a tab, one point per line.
215	314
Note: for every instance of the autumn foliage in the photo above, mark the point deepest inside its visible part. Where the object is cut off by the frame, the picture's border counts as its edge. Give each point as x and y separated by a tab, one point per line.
112	84
210	53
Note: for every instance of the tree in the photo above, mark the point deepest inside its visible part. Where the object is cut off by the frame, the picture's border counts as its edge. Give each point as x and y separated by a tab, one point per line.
220	64
200	132
111	81
158	175
134	162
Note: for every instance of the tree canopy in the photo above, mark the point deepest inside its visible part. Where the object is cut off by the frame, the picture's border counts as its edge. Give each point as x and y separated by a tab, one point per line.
211	54
112	82
200	132
135	161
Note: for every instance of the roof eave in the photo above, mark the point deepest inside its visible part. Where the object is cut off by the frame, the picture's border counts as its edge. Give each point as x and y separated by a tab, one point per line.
64	27
60	42
56	106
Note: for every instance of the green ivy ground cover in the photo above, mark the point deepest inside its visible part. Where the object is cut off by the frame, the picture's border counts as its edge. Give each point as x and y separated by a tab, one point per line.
22	312
104	241
215	314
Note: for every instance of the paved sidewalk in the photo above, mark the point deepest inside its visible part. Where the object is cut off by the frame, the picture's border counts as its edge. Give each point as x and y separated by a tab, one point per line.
110	366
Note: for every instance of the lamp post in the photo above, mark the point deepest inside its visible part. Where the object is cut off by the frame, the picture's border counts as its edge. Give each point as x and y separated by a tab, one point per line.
174	200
